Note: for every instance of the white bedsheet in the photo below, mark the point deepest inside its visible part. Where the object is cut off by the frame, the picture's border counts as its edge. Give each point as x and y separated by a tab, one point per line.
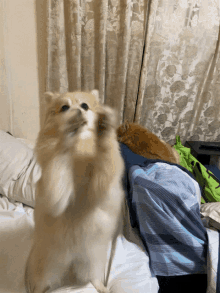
129	272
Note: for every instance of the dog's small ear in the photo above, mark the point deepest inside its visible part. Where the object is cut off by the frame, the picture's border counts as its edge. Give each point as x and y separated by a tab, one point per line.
95	93
48	97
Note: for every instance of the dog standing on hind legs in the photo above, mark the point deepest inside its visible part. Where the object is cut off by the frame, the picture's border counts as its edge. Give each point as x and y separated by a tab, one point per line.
79	196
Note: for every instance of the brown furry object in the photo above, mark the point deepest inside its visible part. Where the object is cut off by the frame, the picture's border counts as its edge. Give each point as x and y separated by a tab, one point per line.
144	143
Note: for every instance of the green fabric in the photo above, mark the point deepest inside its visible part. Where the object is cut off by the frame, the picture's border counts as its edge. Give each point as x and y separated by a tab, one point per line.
205	178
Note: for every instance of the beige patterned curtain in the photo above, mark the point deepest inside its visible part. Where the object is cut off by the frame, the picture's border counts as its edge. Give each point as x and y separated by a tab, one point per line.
157	61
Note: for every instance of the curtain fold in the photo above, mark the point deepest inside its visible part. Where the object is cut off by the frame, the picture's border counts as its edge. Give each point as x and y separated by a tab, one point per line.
155	61
97	44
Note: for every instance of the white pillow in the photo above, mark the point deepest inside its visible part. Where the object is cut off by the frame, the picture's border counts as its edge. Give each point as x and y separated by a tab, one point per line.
23	189
212	211
18	170
27	142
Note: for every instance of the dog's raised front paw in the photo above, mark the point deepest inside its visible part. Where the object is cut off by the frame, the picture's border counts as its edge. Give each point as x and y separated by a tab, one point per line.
106	120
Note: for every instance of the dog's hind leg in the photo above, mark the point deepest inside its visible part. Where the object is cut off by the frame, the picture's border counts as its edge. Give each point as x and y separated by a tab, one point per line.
98	271
44	271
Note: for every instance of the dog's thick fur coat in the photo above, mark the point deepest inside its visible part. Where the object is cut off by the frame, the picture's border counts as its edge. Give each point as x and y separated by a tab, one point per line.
79	196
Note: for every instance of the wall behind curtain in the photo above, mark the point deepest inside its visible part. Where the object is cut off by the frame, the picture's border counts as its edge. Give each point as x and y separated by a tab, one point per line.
19	90
156	61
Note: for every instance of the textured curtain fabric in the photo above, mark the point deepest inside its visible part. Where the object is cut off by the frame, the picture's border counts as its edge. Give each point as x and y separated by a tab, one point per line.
157	61
97	44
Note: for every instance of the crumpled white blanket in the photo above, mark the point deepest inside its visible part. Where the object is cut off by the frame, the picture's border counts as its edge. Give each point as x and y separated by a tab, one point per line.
129	272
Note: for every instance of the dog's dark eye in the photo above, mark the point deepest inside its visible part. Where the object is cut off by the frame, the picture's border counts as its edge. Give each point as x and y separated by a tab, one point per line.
64	108
84	106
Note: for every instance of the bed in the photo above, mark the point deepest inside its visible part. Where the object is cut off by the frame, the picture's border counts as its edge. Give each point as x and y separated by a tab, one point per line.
130	269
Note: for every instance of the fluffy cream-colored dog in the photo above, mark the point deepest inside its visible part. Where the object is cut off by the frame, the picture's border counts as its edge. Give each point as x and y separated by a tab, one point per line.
79	196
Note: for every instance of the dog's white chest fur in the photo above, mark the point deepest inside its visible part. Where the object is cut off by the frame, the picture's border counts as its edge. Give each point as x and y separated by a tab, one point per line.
86	141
